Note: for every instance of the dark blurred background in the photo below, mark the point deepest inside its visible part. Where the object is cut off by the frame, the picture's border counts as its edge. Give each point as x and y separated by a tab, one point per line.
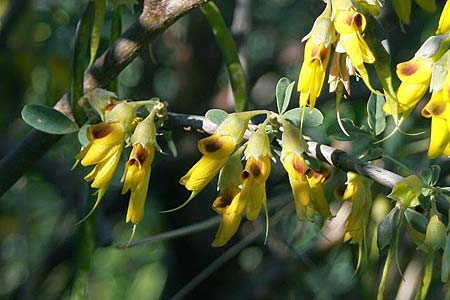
38	244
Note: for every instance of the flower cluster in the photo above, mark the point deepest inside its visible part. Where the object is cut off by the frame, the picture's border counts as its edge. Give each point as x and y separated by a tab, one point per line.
243	188
429	70
341	25
120	128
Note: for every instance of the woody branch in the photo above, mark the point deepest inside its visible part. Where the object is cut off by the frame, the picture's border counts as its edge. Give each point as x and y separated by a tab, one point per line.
157	15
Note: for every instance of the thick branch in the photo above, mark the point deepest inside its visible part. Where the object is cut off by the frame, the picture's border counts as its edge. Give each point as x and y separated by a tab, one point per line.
155	18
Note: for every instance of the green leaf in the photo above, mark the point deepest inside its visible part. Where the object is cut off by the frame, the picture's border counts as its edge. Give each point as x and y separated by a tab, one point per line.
81	44
283	94
354	131
376	117
96	33
82	134
217	116
170	143
312	117
47	119
416	220
407	191
386	230
227	46
445	269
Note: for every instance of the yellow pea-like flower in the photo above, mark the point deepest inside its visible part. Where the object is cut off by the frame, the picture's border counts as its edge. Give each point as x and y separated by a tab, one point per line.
415	75
444	20
231	206
315	60
106	142
351	25
215	149
358	192
436	109
138	168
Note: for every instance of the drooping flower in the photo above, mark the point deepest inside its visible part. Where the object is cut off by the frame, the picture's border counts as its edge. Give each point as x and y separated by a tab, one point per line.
228	203
350	25
437	110
358	192
138	168
106	143
216	149
316	55
256	172
318	202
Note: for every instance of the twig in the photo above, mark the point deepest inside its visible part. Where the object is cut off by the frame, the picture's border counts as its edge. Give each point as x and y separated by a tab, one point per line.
226	256
157	16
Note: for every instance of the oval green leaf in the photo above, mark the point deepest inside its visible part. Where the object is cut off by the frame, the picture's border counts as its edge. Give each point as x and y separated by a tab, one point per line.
386	230
47	119
283	93
217	116
312	117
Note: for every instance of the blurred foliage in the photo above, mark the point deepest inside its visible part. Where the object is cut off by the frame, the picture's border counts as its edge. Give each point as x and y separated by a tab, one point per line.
184	67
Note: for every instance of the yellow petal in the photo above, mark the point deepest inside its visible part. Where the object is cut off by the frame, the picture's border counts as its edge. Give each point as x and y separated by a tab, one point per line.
444	20
254	184
408	95
231	218
106	169
436	107
415	70
439	137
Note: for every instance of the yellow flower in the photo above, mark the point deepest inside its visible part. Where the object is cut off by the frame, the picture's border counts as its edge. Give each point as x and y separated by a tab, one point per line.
254	179
138	169
231	206
296	168
316	55
256	172
216	149
350	25
415	75
318	201
358	192
444	20
437	110
106	142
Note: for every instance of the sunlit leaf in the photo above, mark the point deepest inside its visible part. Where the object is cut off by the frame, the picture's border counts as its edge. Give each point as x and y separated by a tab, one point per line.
407	191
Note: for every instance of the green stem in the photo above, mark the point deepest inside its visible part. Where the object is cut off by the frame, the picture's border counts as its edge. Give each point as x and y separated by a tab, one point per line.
387	266
230	54
81	45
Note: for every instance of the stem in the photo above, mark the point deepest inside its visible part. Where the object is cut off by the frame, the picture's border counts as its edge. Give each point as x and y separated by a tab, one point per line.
387	266
230	54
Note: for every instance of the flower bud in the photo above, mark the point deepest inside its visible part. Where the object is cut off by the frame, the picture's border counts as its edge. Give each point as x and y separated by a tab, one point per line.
436	235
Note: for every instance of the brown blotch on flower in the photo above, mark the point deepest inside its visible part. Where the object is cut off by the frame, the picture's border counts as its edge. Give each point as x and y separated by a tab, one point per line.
358	20
255	170
213	146
100	131
409	69
224	200
245	175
